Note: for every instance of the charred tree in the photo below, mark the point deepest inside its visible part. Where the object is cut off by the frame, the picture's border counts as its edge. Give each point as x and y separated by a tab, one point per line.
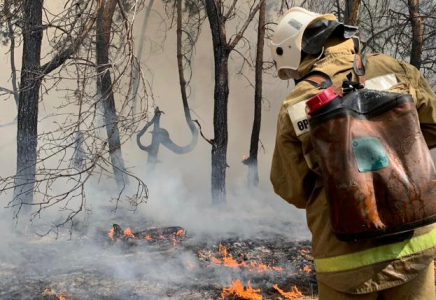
251	161
30	84
32	74
183	83
156	140
136	75
104	88
417	33
217	16
160	135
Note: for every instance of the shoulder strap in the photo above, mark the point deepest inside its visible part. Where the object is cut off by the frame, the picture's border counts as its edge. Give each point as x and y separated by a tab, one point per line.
359	62
318	79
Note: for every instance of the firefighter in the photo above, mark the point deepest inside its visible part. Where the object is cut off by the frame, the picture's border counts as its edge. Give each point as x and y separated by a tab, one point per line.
382	268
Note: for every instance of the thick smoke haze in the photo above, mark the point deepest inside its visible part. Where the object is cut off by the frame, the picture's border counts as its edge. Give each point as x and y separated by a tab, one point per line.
180	188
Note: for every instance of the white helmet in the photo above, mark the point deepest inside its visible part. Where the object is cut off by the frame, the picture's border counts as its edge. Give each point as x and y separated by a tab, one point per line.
287	40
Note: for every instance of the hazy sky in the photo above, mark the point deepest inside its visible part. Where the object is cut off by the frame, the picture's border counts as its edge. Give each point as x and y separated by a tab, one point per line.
190	172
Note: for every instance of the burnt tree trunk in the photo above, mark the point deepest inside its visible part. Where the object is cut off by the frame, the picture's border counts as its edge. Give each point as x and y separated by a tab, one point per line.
221	50
350	12
219	147
32	74
182	80
417	40
156	140
30	83
104	88
136	75
160	135
251	161
221	53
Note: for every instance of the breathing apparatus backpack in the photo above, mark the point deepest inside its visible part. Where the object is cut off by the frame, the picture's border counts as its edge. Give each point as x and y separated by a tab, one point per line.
378	173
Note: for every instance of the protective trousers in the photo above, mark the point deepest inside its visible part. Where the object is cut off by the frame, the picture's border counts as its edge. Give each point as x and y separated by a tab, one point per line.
422	287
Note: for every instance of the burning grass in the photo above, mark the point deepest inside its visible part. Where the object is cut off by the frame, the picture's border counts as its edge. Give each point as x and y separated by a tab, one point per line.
264	263
161	263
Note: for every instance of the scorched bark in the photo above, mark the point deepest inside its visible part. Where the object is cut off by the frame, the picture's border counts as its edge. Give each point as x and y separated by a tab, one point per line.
251	161
104	87
221	93
221	50
32	74
30	84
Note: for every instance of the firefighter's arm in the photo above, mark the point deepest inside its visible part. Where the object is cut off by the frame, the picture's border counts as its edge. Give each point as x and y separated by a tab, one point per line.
425	104
290	174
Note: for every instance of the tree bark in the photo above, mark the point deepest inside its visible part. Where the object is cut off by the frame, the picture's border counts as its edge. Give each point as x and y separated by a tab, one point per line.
30	83
104	87
251	161
221	94
417	40
221	51
32	74
219	149
182	80
136	76
350	12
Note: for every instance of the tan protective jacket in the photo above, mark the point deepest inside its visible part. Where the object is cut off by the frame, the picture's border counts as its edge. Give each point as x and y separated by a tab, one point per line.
361	266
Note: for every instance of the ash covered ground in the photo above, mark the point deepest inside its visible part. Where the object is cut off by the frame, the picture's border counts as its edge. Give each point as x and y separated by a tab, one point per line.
198	264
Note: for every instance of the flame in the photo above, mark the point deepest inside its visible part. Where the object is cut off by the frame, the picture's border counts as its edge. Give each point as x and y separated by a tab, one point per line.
62	298
148	237
294	294
222	249
128	232
111	233
238	290
228	261
306	269
180	232
217	261
304	251
244	156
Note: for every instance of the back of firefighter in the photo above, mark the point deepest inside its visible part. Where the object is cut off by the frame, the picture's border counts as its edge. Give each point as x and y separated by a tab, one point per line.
382	268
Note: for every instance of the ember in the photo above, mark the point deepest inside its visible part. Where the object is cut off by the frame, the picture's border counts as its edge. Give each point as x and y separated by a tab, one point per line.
152	234
238	290
51	294
294	294
306	269
128	232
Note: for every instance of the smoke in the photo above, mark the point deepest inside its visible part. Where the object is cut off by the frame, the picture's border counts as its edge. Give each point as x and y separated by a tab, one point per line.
77	257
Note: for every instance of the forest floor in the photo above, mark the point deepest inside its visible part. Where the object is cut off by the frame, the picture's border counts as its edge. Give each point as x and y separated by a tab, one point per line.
157	263
161	265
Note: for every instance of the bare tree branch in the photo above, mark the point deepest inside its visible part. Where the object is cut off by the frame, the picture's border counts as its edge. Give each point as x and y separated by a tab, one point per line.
240	34
61	57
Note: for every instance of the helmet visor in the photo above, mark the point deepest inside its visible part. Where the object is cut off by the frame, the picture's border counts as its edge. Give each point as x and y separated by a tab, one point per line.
317	33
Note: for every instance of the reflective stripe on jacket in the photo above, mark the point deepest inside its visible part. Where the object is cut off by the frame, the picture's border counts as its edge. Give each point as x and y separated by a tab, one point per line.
362	266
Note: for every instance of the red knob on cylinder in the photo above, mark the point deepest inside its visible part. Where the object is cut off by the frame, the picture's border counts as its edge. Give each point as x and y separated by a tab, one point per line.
321	99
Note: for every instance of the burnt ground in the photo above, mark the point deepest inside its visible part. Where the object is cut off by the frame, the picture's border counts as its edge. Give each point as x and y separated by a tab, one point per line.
189	266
